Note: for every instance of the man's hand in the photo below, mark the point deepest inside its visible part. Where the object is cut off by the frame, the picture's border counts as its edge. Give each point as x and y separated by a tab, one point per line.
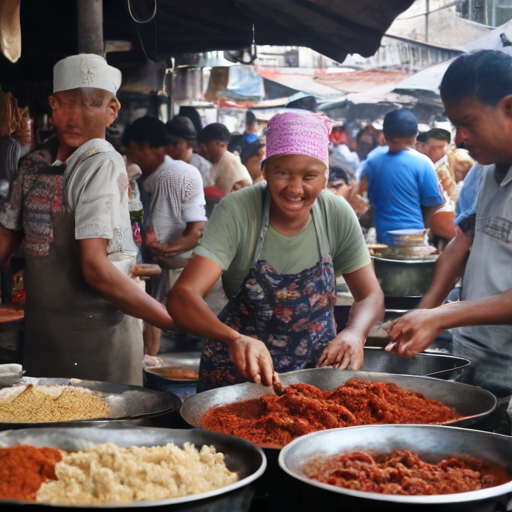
414	332
252	359
151	339
344	350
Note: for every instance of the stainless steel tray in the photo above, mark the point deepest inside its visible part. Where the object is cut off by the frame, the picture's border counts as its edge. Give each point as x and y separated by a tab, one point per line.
440	366
435	443
471	402
126	402
241	456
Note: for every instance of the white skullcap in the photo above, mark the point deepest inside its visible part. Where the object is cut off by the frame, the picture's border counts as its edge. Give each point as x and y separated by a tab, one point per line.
85	70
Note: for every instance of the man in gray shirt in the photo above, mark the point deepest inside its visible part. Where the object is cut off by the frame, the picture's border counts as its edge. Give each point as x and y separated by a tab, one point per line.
477	94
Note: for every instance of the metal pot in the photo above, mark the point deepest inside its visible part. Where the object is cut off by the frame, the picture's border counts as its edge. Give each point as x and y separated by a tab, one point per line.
403	278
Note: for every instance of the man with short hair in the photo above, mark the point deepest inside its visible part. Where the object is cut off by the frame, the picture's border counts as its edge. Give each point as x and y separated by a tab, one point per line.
70	204
182	135
477	95
338	182
176	199
252	155
438	142
176	216
402	183
250	135
421	143
228	172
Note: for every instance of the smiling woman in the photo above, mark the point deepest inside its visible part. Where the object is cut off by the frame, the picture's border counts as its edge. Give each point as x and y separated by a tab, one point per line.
279	246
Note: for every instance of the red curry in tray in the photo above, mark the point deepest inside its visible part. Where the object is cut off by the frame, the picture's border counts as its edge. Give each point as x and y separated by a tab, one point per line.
277	420
402	472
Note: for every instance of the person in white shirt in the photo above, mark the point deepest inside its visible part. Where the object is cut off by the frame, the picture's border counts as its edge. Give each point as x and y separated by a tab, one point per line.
339	152
69	203
438	143
176	214
228	172
182	135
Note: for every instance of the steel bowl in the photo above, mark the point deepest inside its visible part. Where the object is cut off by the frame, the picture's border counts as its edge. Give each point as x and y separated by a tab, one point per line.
126	402
403	278
432	443
472	402
440	366
241	456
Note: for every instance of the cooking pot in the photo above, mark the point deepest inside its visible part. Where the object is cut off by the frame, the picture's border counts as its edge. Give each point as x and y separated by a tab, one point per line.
403	278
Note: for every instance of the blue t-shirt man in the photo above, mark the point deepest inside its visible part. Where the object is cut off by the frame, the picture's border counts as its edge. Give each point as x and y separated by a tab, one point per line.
401	181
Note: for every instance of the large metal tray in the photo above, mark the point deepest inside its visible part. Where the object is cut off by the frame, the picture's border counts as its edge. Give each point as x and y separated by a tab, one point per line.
471	402
241	456
440	366
434	443
126	402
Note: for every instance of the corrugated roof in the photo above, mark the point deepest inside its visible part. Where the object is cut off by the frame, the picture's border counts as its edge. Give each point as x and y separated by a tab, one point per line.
360	81
445	28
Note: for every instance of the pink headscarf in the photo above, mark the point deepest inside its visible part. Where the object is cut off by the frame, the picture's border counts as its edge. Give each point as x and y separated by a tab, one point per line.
299	132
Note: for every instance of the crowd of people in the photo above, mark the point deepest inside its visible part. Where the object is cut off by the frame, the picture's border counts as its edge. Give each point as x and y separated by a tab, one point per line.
255	274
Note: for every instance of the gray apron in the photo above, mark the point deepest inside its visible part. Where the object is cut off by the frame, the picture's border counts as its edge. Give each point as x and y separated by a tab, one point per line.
70	330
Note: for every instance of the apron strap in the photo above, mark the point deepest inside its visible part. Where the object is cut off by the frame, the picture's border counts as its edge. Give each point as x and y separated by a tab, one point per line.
321	234
265	221
316	211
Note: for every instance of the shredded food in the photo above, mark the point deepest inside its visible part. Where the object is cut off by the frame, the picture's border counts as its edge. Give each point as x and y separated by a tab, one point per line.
277	420
41	404
24	468
402	472
110	474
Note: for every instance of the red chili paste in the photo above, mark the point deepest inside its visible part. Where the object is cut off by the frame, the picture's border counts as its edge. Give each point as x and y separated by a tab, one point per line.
402	472
303	409
24	468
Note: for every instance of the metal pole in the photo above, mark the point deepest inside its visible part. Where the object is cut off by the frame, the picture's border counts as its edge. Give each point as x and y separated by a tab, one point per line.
493	13
470	9
426	19
90	27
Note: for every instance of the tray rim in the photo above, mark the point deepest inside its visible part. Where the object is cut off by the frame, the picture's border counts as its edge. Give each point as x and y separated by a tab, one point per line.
155	503
466	420
178	402
417	500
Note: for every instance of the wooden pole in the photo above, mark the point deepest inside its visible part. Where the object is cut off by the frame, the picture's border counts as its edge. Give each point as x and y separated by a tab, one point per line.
90	27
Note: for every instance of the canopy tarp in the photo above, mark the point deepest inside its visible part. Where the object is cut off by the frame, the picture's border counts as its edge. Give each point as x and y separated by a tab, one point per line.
331	27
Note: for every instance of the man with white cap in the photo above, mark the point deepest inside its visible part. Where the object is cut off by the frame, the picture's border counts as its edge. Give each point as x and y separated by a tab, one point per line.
70	203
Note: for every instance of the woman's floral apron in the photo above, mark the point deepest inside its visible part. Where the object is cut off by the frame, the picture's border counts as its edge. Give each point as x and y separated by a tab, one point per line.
293	314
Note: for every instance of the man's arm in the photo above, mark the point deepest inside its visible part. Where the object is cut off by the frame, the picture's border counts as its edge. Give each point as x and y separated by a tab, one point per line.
414	332
117	288
428	212
185	302
363	185
10	240
442	224
186	242
449	268
368	308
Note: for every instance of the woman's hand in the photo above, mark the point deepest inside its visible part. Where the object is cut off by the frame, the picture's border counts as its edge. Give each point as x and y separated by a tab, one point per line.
344	350
414	332
252	359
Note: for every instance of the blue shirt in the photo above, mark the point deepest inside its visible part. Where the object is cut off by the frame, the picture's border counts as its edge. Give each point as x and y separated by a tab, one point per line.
399	184
250	137
468	198
378	150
